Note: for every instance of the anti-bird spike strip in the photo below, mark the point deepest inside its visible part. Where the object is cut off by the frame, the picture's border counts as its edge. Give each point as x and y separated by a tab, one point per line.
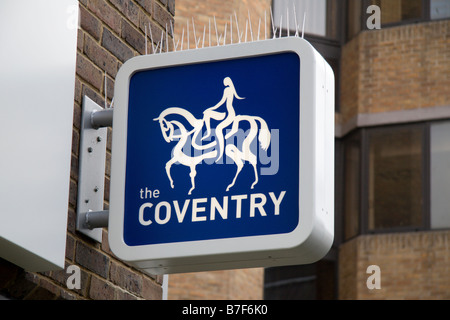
222	38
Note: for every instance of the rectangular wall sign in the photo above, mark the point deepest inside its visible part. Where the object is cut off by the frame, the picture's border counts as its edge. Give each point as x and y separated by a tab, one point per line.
37	84
223	158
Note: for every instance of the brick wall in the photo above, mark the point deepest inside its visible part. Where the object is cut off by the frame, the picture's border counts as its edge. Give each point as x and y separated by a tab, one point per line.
111	32
245	284
412	266
393	69
203	12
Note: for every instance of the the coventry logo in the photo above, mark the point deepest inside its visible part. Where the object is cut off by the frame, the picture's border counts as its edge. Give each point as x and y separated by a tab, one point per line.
228	121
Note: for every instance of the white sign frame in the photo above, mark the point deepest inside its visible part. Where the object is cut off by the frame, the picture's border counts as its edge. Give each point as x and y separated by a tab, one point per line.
312	238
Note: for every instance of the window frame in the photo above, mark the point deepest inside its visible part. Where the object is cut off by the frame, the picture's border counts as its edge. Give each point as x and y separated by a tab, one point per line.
363	134
425	186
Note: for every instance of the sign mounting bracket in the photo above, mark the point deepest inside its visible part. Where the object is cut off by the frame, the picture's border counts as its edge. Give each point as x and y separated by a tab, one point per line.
91	216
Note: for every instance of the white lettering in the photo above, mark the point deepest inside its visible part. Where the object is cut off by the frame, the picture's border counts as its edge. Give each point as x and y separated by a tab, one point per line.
162	212
238	204
180	215
276	201
157	212
259	206
196	209
141	214
222	210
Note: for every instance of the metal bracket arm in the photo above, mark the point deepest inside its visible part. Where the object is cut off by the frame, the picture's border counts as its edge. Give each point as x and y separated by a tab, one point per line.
98	219
92	166
102	118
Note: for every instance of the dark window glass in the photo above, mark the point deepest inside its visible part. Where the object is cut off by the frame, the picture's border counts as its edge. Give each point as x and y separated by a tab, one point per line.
395	174
352	192
322	17
395	11
315	281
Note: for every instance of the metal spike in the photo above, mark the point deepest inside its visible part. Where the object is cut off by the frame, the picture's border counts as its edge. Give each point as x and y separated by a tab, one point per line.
237	27
151	38
250	23
215	26
188	42
225	34
204	33
146	51
182	40
195	37
265	25
273	24
303	29
246	27
167	40
281	25
173	36
287	20
259	26
106	90
231	29
295	21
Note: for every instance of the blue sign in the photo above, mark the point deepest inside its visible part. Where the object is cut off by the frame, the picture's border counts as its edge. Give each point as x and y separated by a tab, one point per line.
213	150
223	158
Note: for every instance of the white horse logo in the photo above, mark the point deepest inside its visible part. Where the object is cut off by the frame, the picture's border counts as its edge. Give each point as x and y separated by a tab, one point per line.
173	129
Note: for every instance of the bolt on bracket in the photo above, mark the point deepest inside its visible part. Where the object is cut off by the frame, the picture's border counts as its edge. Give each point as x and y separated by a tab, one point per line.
92	164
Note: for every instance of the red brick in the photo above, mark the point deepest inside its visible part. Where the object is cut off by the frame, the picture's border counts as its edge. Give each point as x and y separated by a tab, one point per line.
100	56
161	15
133	37
101	289
151	290
146	4
116	46
89	72
106	13
92	259
90	23
129	8
125	278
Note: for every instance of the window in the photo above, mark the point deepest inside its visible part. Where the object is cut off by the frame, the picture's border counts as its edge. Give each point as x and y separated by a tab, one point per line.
352	194
316	281
396	178
322	17
323	28
394	11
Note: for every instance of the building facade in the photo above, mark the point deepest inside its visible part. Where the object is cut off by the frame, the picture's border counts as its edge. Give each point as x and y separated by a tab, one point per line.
391	60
